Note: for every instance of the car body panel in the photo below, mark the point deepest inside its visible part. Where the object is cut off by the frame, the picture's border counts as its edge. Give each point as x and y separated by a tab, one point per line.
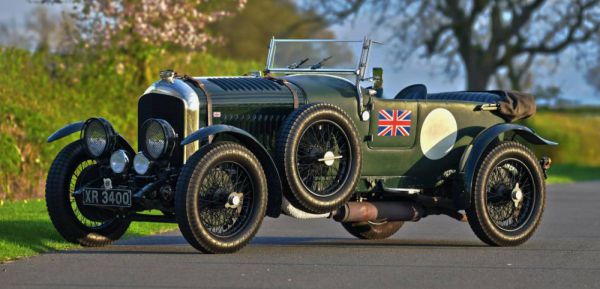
66	130
254	108
381	108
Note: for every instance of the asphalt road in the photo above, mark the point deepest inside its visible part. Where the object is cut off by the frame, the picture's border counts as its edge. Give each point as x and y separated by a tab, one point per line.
437	252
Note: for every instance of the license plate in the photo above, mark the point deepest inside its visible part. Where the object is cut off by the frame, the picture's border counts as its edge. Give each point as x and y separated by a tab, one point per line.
107	198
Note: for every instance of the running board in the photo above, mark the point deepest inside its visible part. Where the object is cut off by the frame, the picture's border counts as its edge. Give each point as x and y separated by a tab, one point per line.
401	191
151	218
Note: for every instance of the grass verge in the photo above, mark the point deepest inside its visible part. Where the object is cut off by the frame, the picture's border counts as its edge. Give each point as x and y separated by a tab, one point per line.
567	173
25	230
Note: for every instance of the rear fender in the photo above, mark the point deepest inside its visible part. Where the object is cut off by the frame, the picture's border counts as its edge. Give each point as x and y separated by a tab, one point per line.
472	156
245	138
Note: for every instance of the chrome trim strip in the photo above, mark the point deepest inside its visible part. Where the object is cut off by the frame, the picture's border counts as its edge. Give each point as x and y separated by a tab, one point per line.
191	101
362	68
178	89
315	40
271	53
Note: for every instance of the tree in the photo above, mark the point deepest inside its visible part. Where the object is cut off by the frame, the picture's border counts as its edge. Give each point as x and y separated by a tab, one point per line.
247	34
43	31
43	25
484	36
549	95
593	74
12	36
140	28
154	22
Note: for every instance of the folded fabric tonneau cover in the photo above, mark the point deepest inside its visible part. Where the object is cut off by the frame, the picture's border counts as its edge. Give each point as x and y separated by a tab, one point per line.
515	105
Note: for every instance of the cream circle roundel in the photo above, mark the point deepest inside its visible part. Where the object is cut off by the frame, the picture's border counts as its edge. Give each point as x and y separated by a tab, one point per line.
438	134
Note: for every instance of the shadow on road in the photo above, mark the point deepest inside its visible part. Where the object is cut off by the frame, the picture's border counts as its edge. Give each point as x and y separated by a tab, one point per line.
35	235
175	244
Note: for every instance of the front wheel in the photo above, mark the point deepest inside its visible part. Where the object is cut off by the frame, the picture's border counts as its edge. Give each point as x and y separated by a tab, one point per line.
221	198
508	197
77	223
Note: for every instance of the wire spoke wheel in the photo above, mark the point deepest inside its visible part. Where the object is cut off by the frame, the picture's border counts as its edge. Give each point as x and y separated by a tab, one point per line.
511	194
323	158
84	174
319	154
226	195
221	198
508	197
71	170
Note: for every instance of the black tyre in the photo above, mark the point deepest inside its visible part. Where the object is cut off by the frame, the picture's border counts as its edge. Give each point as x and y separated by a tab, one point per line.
318	150
221	198
508	196
75	222
373	230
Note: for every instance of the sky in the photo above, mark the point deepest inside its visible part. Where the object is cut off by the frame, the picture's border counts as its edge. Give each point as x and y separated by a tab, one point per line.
568	75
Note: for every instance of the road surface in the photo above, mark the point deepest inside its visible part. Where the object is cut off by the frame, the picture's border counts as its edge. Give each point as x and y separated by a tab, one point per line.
437	252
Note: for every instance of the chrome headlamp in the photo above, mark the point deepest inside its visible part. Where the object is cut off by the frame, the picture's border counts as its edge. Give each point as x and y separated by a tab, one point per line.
159	138
98	136
119	161
141	164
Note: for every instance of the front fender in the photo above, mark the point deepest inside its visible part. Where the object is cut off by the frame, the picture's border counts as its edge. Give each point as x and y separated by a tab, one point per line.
473	154
78	126
66	130
273	176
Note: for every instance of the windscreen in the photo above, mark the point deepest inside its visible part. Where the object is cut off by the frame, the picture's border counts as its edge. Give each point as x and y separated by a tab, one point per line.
315	55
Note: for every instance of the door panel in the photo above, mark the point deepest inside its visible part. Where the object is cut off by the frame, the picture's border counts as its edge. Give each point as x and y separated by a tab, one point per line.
393	123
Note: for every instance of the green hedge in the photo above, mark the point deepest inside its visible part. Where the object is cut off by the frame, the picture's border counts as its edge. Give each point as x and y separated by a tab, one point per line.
576	131
41	92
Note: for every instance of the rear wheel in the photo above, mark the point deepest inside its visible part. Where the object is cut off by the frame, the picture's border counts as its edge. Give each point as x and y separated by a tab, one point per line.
221	198
77	223
508	197
319	151
373	230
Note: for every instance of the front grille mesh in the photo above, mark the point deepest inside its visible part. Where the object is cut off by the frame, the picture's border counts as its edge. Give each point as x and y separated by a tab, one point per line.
264	127
165	107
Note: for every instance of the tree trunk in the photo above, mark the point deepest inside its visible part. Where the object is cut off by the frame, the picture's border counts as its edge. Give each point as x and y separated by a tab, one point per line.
477	78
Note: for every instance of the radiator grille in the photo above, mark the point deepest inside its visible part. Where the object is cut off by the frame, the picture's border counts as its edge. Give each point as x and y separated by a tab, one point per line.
264	127
165	107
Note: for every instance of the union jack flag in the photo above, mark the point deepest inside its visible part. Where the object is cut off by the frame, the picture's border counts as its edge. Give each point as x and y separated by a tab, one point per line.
393	122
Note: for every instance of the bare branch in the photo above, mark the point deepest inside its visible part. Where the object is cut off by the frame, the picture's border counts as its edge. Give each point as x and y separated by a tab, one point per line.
485	35
432	42
578	32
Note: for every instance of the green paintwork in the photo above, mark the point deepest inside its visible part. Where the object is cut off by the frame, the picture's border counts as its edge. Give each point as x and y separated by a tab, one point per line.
258	112
399	142
398	161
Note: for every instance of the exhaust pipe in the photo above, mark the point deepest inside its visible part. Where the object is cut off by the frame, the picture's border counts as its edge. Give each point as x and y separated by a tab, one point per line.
372	211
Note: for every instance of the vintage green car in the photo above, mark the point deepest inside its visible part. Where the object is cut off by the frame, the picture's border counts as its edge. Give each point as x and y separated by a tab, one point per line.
312	136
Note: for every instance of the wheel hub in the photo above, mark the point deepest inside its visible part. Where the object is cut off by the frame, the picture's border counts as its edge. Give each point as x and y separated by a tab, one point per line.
329	158
517	195
234	200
